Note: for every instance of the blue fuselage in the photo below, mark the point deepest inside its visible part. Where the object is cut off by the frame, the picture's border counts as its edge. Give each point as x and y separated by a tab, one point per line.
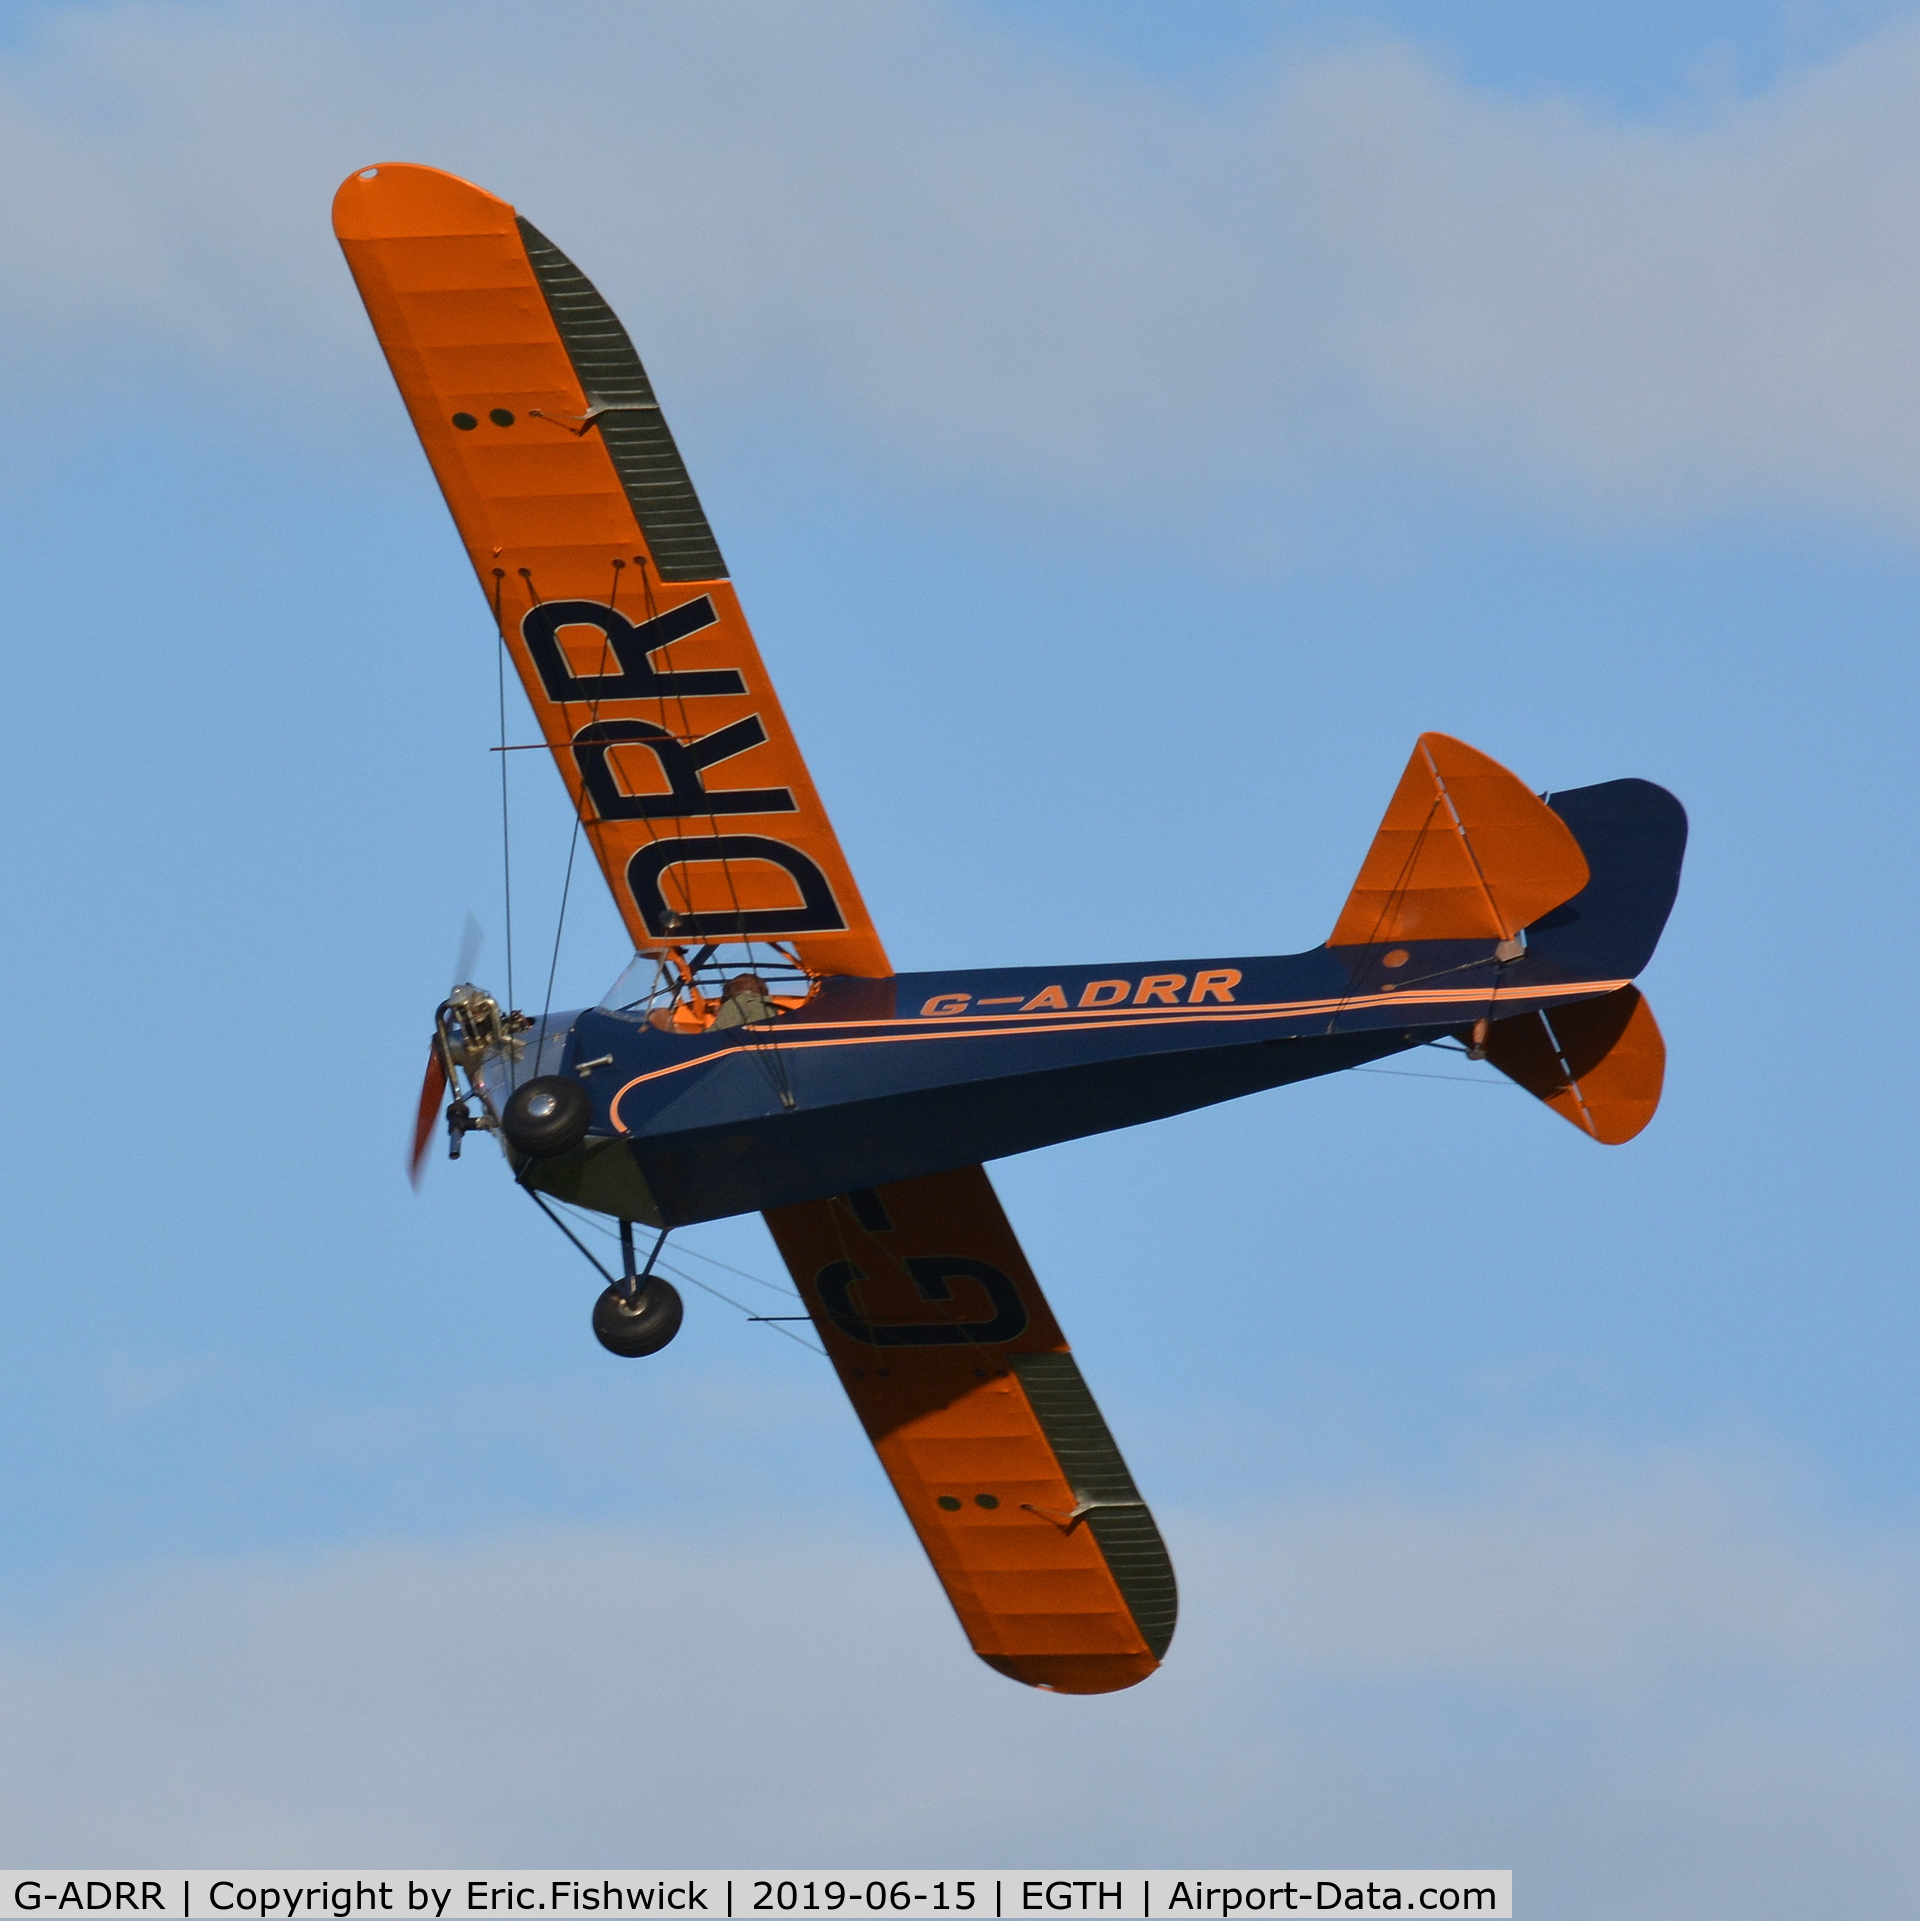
881	1080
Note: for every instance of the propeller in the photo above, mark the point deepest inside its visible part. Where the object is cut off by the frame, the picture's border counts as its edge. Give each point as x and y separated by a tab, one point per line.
432	1092
471	941
433	1089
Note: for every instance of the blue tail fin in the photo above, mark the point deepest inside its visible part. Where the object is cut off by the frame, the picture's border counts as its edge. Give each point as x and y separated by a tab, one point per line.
1634	835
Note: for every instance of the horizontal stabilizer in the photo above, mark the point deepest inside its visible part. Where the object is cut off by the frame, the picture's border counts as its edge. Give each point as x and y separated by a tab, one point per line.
979	1414
1599	1062
1466	852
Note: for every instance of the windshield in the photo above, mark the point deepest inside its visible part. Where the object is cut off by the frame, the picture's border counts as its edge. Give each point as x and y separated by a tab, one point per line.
645	979
650	982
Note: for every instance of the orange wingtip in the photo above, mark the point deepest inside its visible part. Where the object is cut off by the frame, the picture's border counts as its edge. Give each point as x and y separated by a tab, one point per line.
1599	1063
1467	851
1075	1673
399	199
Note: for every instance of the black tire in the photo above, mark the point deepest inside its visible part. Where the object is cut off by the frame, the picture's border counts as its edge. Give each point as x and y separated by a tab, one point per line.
547	1116
645	1326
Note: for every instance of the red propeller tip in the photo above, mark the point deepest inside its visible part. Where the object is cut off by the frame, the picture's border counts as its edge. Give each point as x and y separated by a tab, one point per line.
432	1092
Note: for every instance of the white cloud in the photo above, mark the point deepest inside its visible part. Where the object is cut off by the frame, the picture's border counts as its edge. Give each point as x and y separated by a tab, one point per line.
1675	316
971	259
1646	1690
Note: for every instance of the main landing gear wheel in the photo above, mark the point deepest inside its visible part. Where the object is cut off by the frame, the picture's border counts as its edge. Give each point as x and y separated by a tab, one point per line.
642	1325
547	1116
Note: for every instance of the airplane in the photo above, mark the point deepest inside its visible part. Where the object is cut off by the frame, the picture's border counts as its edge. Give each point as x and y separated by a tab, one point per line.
760	1053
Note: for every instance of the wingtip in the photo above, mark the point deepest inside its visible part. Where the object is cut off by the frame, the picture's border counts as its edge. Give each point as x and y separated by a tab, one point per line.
400	199
1074	1673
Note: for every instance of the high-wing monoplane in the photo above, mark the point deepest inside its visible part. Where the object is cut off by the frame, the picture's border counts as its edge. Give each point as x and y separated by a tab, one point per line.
762	1055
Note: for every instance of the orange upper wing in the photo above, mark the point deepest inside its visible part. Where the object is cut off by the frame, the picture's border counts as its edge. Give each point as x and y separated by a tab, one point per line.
609	589
977	1409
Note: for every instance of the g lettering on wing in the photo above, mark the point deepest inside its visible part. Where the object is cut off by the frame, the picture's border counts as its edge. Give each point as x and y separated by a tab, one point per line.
933	1276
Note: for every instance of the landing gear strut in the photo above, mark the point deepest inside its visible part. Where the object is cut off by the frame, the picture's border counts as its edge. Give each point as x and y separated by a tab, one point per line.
641	1312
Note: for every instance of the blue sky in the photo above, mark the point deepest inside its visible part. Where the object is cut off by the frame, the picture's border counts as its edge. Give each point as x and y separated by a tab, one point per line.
1128	426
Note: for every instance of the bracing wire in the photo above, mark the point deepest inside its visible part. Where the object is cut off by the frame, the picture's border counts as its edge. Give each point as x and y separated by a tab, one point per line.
560	926
573	840
759	1320
506	826
1464	1080
581	1219
595	1225
1498	1081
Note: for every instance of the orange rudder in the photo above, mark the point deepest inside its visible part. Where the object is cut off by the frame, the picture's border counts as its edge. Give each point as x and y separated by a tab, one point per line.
1466	851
